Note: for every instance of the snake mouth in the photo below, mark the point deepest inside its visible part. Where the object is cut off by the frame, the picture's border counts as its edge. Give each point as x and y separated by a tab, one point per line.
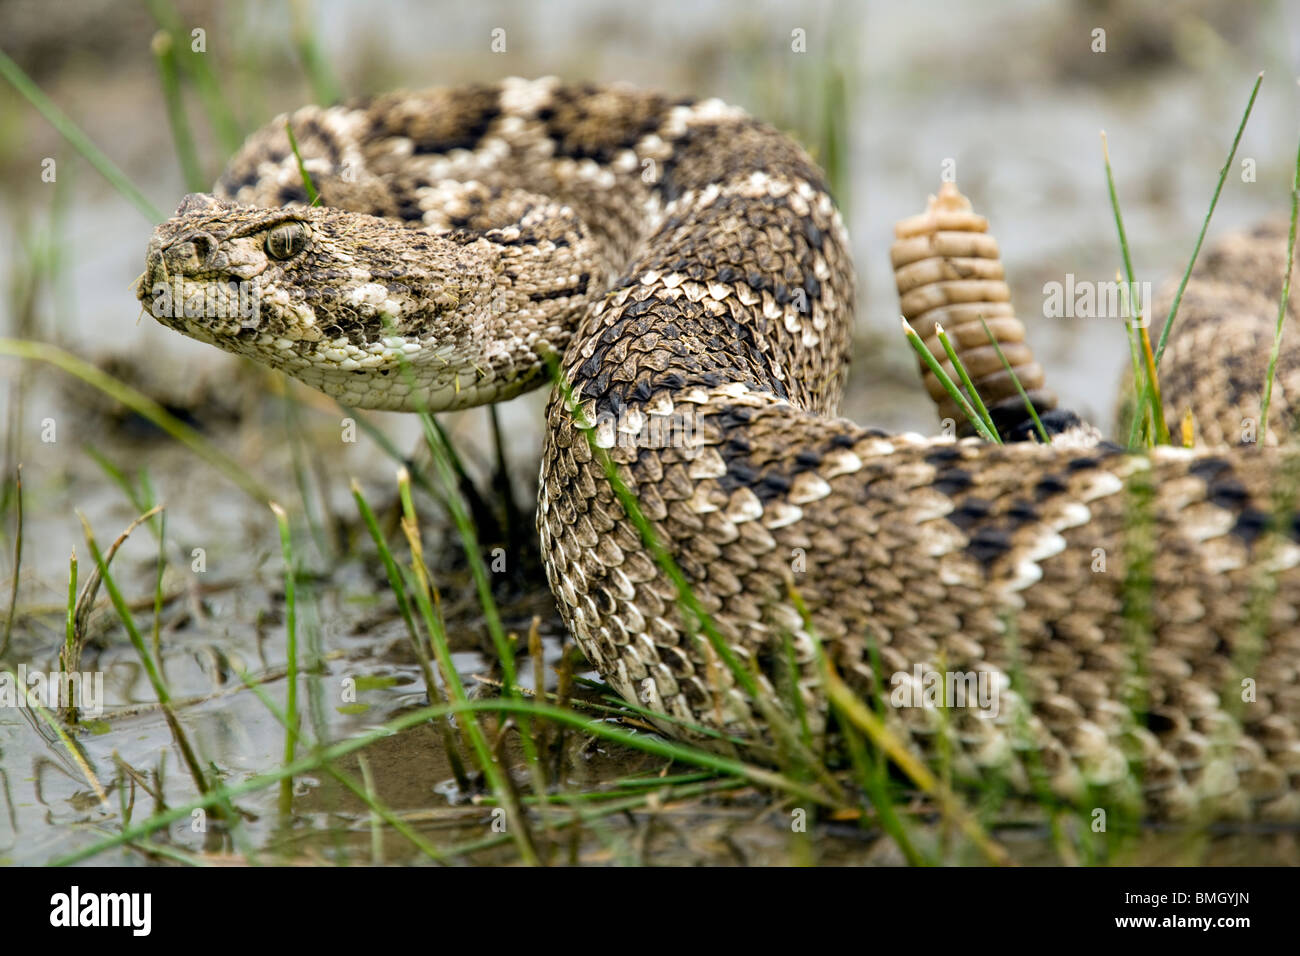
155	272
209	308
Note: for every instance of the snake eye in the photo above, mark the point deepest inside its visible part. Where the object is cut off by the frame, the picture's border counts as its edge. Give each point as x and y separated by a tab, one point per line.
286	241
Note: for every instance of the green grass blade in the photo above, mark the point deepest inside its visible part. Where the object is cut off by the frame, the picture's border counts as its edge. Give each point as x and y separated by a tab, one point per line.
70	619
199	68
1283	301
960	366
18	563
1015	380
146	659
141	404
291	652
1139	378
1205	225
421	654
79	141
758	776
482	750
70	745
313	197
164	51
949	385
1147	401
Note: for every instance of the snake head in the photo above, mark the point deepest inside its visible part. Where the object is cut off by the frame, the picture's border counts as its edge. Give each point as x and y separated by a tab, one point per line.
337	299
213	269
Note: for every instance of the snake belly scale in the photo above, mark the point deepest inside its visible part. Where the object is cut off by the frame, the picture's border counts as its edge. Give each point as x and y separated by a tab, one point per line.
689	268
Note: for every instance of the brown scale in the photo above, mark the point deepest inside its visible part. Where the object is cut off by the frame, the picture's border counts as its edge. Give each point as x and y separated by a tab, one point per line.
948	271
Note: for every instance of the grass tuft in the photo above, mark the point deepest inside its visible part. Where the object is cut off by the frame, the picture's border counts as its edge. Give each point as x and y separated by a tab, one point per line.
1142	378
960	366
1147	384
421	652
146	659
1283	301
986	432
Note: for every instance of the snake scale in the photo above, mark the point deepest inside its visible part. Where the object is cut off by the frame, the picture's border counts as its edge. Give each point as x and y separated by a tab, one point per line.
1135	613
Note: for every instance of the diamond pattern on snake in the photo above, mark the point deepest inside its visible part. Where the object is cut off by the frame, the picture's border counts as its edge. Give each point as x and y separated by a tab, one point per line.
687	268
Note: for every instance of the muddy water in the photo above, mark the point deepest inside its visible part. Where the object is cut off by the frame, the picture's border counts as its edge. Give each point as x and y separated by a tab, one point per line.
1009	97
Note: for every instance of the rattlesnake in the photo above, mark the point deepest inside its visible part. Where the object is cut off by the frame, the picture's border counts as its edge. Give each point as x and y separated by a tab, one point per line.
688	266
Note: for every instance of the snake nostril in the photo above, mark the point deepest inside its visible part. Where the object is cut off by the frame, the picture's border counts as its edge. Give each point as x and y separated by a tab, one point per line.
204	245
194	251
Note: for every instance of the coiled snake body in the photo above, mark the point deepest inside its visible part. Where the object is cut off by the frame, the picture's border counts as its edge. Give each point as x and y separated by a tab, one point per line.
1133	613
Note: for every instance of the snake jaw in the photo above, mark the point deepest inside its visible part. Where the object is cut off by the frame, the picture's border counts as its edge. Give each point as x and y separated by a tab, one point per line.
336	307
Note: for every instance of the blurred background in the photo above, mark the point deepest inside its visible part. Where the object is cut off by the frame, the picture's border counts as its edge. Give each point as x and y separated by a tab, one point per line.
1011	96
